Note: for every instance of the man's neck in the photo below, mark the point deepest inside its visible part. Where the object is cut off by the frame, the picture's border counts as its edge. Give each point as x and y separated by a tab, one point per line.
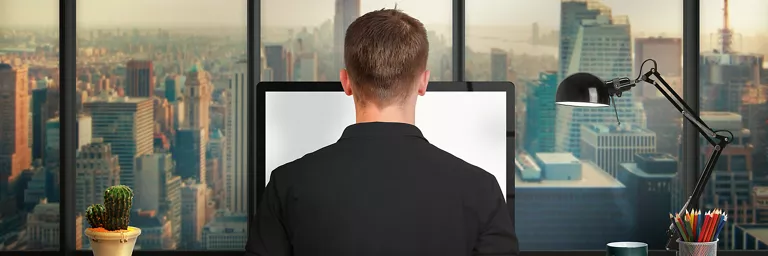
392	114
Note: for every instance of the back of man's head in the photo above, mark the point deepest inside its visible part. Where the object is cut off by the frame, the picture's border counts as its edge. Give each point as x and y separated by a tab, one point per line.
385	53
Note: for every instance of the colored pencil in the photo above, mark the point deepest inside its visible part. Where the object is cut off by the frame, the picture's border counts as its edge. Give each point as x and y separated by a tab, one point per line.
700	219
700	235
722	224
676	221
713	230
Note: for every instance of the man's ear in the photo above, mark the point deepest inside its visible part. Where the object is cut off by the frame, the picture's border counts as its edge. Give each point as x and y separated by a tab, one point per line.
345	83
423	81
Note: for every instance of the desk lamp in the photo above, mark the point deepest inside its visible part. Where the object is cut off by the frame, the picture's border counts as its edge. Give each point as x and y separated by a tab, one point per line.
587	90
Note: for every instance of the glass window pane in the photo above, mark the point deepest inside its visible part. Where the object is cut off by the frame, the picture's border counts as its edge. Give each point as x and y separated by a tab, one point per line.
158	111
303	40
733	90
29	130
619	181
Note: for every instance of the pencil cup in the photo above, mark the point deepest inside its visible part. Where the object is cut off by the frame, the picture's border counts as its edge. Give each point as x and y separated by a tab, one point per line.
697	248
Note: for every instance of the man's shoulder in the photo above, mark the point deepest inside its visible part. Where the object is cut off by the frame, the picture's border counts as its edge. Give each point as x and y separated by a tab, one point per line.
460	166
291	168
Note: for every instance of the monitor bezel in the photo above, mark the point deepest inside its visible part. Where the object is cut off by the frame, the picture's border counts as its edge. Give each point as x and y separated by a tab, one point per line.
262	88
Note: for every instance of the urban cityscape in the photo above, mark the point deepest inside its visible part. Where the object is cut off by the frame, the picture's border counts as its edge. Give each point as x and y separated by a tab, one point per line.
162	108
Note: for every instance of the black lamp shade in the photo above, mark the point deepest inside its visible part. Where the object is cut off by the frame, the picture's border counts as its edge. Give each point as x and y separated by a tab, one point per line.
583	90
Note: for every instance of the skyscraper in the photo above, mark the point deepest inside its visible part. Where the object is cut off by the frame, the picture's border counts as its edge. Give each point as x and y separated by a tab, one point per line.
237	155
499	64
603	47
126	124
189	153
346	12
305	68
609	146
197	95
277	61
172	88
139	78
667	52
572	12
540	132
15	154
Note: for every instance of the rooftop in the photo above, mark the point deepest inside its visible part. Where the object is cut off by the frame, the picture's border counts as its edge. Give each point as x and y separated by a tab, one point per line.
760	191
557	158
624	128
760	232
658	157
591	177
633	168
718	115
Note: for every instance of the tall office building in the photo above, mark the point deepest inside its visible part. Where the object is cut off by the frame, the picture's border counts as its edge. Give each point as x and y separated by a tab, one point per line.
668	125
603	47
170	202
97	168
15	153
84	126
39	116
346	12
648	179
173	88
149	186
732	179
215	173
43	227
668	54
725	77
540	135
754	110
126	124
305	68
563	199
139	78
37	187
197	95
225	232
609	146
277	59
193	204
572	13
499	64
237	155
52	143
189	153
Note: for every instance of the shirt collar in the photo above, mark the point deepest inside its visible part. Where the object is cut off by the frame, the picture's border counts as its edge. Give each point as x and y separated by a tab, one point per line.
381	129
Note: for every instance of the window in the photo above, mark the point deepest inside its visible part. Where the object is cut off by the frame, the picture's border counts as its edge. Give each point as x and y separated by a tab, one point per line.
157	114
733	86
535	44
29	132
299	41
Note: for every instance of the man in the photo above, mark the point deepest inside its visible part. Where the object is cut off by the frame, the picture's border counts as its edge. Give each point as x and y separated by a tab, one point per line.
382	189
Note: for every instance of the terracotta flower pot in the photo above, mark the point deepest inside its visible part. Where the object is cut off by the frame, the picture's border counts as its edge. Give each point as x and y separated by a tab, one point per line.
112	243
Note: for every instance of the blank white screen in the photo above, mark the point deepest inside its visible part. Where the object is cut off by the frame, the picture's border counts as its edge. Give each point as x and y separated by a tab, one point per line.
469	125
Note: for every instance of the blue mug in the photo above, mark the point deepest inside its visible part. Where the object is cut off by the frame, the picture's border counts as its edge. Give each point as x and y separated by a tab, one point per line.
627	249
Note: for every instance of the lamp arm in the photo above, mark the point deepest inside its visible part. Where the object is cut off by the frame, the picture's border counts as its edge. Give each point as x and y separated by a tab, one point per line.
680	105
718	141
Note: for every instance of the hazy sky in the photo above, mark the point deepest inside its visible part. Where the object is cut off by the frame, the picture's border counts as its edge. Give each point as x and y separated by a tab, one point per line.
748	16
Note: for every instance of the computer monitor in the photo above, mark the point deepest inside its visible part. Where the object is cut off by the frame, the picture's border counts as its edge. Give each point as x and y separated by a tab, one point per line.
471	120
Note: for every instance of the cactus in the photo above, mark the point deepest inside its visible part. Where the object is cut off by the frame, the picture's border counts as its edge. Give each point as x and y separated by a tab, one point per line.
96	214
115	213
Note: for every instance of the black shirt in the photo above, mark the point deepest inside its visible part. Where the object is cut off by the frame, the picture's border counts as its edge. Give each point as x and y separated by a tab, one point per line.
382	189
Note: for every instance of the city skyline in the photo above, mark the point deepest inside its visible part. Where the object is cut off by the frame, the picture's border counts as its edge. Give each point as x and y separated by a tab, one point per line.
648	16
185	115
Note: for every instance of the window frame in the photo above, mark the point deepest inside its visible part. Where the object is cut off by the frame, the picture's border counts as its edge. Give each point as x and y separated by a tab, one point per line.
67	64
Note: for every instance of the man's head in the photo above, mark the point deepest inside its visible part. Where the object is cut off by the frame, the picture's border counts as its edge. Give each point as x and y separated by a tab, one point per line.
385	53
